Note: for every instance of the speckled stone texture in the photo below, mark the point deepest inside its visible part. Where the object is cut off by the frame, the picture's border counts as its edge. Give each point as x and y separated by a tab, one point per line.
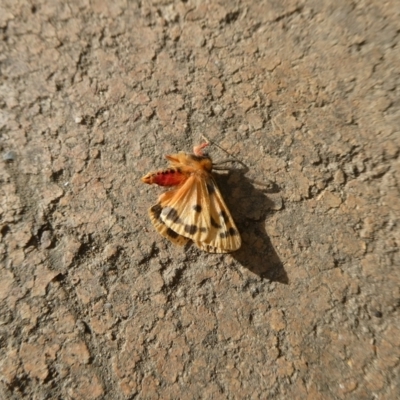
95	304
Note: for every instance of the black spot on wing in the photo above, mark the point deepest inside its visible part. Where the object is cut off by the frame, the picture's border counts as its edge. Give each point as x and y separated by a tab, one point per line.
233	232
156	210
224	215
171	233
230	232
210	187
214	223
171	214
191	229
197	208
203	229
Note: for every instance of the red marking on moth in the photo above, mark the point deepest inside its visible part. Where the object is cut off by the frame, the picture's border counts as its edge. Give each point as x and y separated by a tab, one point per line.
167	177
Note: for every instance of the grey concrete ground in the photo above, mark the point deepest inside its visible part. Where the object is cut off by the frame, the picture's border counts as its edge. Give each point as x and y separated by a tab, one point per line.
95	304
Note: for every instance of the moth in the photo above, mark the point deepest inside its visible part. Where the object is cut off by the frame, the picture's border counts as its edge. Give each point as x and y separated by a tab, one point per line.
193	209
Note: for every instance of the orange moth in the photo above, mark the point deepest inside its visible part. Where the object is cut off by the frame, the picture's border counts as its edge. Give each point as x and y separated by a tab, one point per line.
193	209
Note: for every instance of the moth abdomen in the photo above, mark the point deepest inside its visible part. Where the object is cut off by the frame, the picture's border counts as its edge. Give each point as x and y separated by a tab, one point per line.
167	177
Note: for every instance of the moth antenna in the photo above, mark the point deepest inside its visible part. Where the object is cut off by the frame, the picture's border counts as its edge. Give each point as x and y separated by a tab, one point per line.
206	139
219	165
234	159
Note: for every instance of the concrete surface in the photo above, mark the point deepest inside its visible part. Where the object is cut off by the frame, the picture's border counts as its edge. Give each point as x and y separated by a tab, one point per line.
95	304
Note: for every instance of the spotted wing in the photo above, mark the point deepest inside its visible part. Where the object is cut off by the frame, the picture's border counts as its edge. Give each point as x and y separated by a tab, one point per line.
164	230
197	211
224	236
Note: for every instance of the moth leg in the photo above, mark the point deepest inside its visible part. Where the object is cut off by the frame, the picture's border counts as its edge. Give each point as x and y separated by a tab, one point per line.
198	150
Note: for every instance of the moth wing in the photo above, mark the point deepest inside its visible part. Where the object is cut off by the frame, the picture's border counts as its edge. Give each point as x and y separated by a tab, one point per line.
224	236
185	210
164	230
197	211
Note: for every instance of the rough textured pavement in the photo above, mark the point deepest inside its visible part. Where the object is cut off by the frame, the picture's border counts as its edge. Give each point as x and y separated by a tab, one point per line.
95	304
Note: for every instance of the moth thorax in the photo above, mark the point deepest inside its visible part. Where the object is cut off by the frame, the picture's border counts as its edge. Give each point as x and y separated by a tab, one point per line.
206	164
